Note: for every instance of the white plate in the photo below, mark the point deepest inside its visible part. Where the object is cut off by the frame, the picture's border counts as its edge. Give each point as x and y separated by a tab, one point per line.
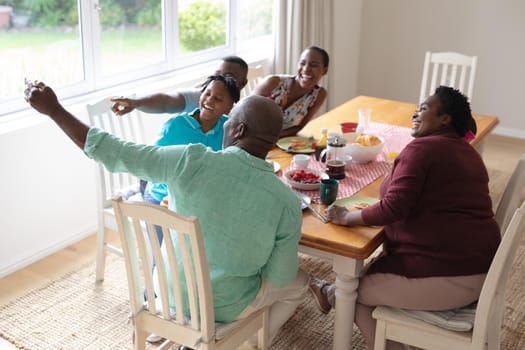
305	186
306	199
351	202
276	166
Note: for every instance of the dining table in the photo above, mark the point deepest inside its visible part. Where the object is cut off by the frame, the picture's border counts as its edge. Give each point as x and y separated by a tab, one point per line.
347	248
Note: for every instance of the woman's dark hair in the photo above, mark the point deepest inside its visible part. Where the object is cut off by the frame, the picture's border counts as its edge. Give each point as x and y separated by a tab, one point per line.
324	54
229	82
455	104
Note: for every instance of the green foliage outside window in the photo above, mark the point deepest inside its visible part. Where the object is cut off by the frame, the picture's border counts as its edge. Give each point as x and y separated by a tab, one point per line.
55	13
150	15
202	25
255	18
50	13
112	15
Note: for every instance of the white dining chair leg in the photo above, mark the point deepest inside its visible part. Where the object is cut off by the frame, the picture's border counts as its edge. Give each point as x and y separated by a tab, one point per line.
101	256
380	337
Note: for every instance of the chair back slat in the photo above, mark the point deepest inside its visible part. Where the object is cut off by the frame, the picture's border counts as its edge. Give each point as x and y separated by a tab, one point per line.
453	76
133	266
144	248
445	79
174	269
190	280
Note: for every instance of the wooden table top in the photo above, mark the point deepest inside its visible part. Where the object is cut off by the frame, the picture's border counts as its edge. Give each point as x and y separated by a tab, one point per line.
359	242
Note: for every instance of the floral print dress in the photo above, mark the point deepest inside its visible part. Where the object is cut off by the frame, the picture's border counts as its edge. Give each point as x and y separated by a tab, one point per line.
295	113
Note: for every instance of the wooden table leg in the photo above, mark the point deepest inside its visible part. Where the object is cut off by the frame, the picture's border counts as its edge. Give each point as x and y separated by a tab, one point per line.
347	281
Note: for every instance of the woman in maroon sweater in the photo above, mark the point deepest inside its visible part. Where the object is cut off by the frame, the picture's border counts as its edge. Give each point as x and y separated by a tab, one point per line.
440	232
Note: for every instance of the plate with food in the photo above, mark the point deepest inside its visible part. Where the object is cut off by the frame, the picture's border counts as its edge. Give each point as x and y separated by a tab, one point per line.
305	179
276	166
297	144
356	202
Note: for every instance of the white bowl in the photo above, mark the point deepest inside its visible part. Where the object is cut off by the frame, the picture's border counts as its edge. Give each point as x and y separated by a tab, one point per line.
361	154
302	185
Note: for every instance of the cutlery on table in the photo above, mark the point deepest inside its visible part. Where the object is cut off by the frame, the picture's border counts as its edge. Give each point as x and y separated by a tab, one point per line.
308	204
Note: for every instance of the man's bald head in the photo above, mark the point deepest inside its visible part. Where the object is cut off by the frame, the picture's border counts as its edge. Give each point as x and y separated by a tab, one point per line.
254	121
261	115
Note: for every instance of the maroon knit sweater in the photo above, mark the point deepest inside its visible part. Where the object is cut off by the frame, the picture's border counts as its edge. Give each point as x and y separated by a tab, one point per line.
436	210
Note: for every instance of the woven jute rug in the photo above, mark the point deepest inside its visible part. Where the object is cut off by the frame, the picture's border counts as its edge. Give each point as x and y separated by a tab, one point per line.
73	312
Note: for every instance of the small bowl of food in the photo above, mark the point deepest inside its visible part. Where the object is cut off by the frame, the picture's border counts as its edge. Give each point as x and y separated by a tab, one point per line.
363	147
305	179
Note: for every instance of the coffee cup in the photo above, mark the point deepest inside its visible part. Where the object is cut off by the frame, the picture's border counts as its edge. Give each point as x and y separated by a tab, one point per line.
300	161
328	191
335	168
347	159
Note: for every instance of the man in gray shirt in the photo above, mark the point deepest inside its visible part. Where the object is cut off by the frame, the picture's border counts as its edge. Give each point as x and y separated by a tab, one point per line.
181	100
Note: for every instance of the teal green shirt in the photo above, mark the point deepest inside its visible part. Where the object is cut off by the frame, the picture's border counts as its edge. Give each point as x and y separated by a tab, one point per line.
250	220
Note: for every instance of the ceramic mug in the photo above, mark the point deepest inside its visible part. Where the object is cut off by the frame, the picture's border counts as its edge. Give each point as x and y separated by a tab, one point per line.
328	191
300	161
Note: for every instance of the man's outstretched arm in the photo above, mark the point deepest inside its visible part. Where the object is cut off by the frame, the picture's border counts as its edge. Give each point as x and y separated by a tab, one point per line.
43	99
156	103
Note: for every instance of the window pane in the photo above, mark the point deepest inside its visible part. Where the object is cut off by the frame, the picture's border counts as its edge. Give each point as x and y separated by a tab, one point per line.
39	42
120	41
202	24
130	35
254	24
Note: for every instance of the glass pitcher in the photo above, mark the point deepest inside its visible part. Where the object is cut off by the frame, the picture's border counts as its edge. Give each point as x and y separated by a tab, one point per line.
333	155
335	148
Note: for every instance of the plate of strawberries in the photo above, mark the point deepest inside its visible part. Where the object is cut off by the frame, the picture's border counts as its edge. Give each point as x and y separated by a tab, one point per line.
305	179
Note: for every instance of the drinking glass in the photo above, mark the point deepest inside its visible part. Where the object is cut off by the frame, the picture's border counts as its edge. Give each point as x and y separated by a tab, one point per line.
364	119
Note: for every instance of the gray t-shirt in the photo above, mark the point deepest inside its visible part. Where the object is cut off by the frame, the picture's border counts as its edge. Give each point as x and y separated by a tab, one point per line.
191	98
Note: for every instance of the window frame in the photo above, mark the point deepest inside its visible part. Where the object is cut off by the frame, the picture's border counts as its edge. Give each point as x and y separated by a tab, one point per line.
172	62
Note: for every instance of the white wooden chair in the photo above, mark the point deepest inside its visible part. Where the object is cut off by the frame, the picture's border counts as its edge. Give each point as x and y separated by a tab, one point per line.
395	325
445	67
128	127
197	329
513	195
255	75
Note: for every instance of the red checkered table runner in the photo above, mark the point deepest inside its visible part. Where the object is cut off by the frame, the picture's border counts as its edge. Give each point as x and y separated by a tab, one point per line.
358	175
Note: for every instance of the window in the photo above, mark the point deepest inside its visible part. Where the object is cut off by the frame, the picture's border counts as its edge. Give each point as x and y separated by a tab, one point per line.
79	46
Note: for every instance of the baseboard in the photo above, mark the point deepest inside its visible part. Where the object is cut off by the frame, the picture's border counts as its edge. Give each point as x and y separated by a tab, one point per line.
508	132
20	264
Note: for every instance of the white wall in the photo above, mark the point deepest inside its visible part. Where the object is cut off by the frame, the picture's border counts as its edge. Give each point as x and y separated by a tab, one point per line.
396	33
47	194
344	54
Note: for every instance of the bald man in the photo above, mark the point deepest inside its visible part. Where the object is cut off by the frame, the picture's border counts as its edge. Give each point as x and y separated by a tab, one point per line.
250	220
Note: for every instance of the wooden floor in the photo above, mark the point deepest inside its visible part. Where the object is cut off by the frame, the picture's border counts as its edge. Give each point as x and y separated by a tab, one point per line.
498	153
